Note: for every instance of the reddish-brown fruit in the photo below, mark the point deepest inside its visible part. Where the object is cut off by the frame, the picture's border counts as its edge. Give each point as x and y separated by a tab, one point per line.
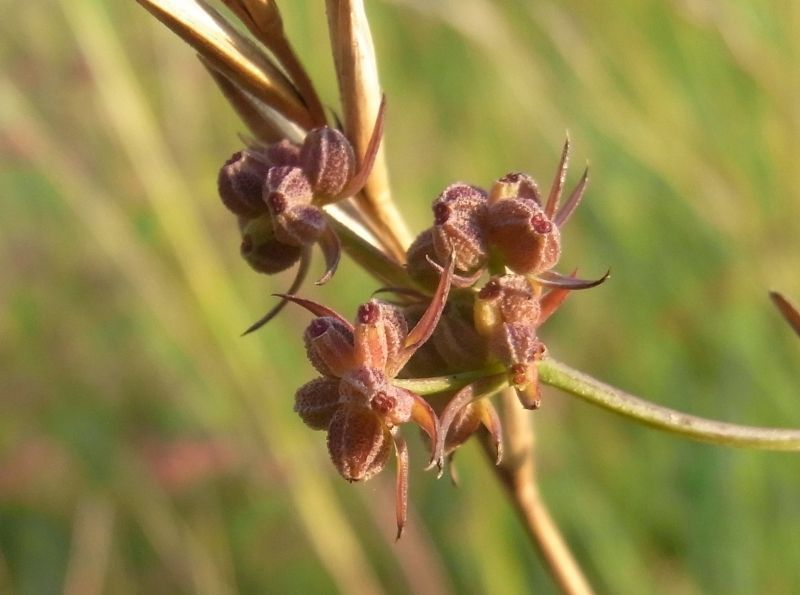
515	343
380	333
525	237
240	183
329	346
368	387
419	267
328	160
358	442
316	402
287	194
460	224
262	251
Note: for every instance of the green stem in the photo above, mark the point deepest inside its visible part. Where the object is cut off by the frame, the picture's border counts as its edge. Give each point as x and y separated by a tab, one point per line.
589	389
438	384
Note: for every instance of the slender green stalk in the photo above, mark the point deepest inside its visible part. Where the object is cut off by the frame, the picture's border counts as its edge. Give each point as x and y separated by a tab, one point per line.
589	389
438	384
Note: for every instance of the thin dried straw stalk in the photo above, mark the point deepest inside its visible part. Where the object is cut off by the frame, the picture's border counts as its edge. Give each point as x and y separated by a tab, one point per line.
264	21
262	120
233	55
360	90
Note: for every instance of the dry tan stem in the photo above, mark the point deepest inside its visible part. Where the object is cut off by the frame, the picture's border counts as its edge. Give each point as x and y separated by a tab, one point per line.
264	21
251	112
517	474
232	54
359	87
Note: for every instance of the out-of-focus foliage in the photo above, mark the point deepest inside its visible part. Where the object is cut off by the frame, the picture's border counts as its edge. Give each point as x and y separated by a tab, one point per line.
145	446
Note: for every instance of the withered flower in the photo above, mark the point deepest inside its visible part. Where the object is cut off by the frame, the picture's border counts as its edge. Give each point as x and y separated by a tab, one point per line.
296	183
355	400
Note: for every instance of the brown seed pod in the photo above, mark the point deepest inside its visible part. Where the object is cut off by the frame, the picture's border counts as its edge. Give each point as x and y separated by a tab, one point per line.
262	251
527	239
328	160
358	442
380	333
329	345
506	299
419	267
287	194
456	339
515	343
316	402
240	183
460	225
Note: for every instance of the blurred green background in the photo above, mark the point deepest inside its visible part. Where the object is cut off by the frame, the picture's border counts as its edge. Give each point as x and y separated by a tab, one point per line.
146	447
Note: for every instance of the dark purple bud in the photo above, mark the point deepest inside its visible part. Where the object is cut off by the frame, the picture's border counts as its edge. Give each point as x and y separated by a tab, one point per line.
283	153
317	401
263	251
240	182
287	194
328	160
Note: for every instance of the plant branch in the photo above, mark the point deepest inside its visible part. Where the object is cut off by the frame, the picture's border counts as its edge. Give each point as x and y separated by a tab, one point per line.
438	384
593	391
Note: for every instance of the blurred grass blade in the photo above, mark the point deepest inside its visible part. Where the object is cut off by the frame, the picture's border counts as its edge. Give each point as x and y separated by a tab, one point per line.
92	537
234	55
360	91
790	313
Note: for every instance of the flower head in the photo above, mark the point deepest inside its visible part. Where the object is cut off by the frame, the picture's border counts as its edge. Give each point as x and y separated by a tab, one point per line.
355	399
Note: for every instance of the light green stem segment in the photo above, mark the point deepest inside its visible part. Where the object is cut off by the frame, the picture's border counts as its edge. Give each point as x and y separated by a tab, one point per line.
438	384
589	389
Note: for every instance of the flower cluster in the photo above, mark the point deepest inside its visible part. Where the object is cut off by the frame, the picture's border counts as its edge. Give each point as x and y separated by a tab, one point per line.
496	249
514	236
467	302
356	399
277	192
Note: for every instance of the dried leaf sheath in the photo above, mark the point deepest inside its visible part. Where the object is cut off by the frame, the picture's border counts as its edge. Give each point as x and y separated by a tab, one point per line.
263	19
359	87
259	118
230	53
